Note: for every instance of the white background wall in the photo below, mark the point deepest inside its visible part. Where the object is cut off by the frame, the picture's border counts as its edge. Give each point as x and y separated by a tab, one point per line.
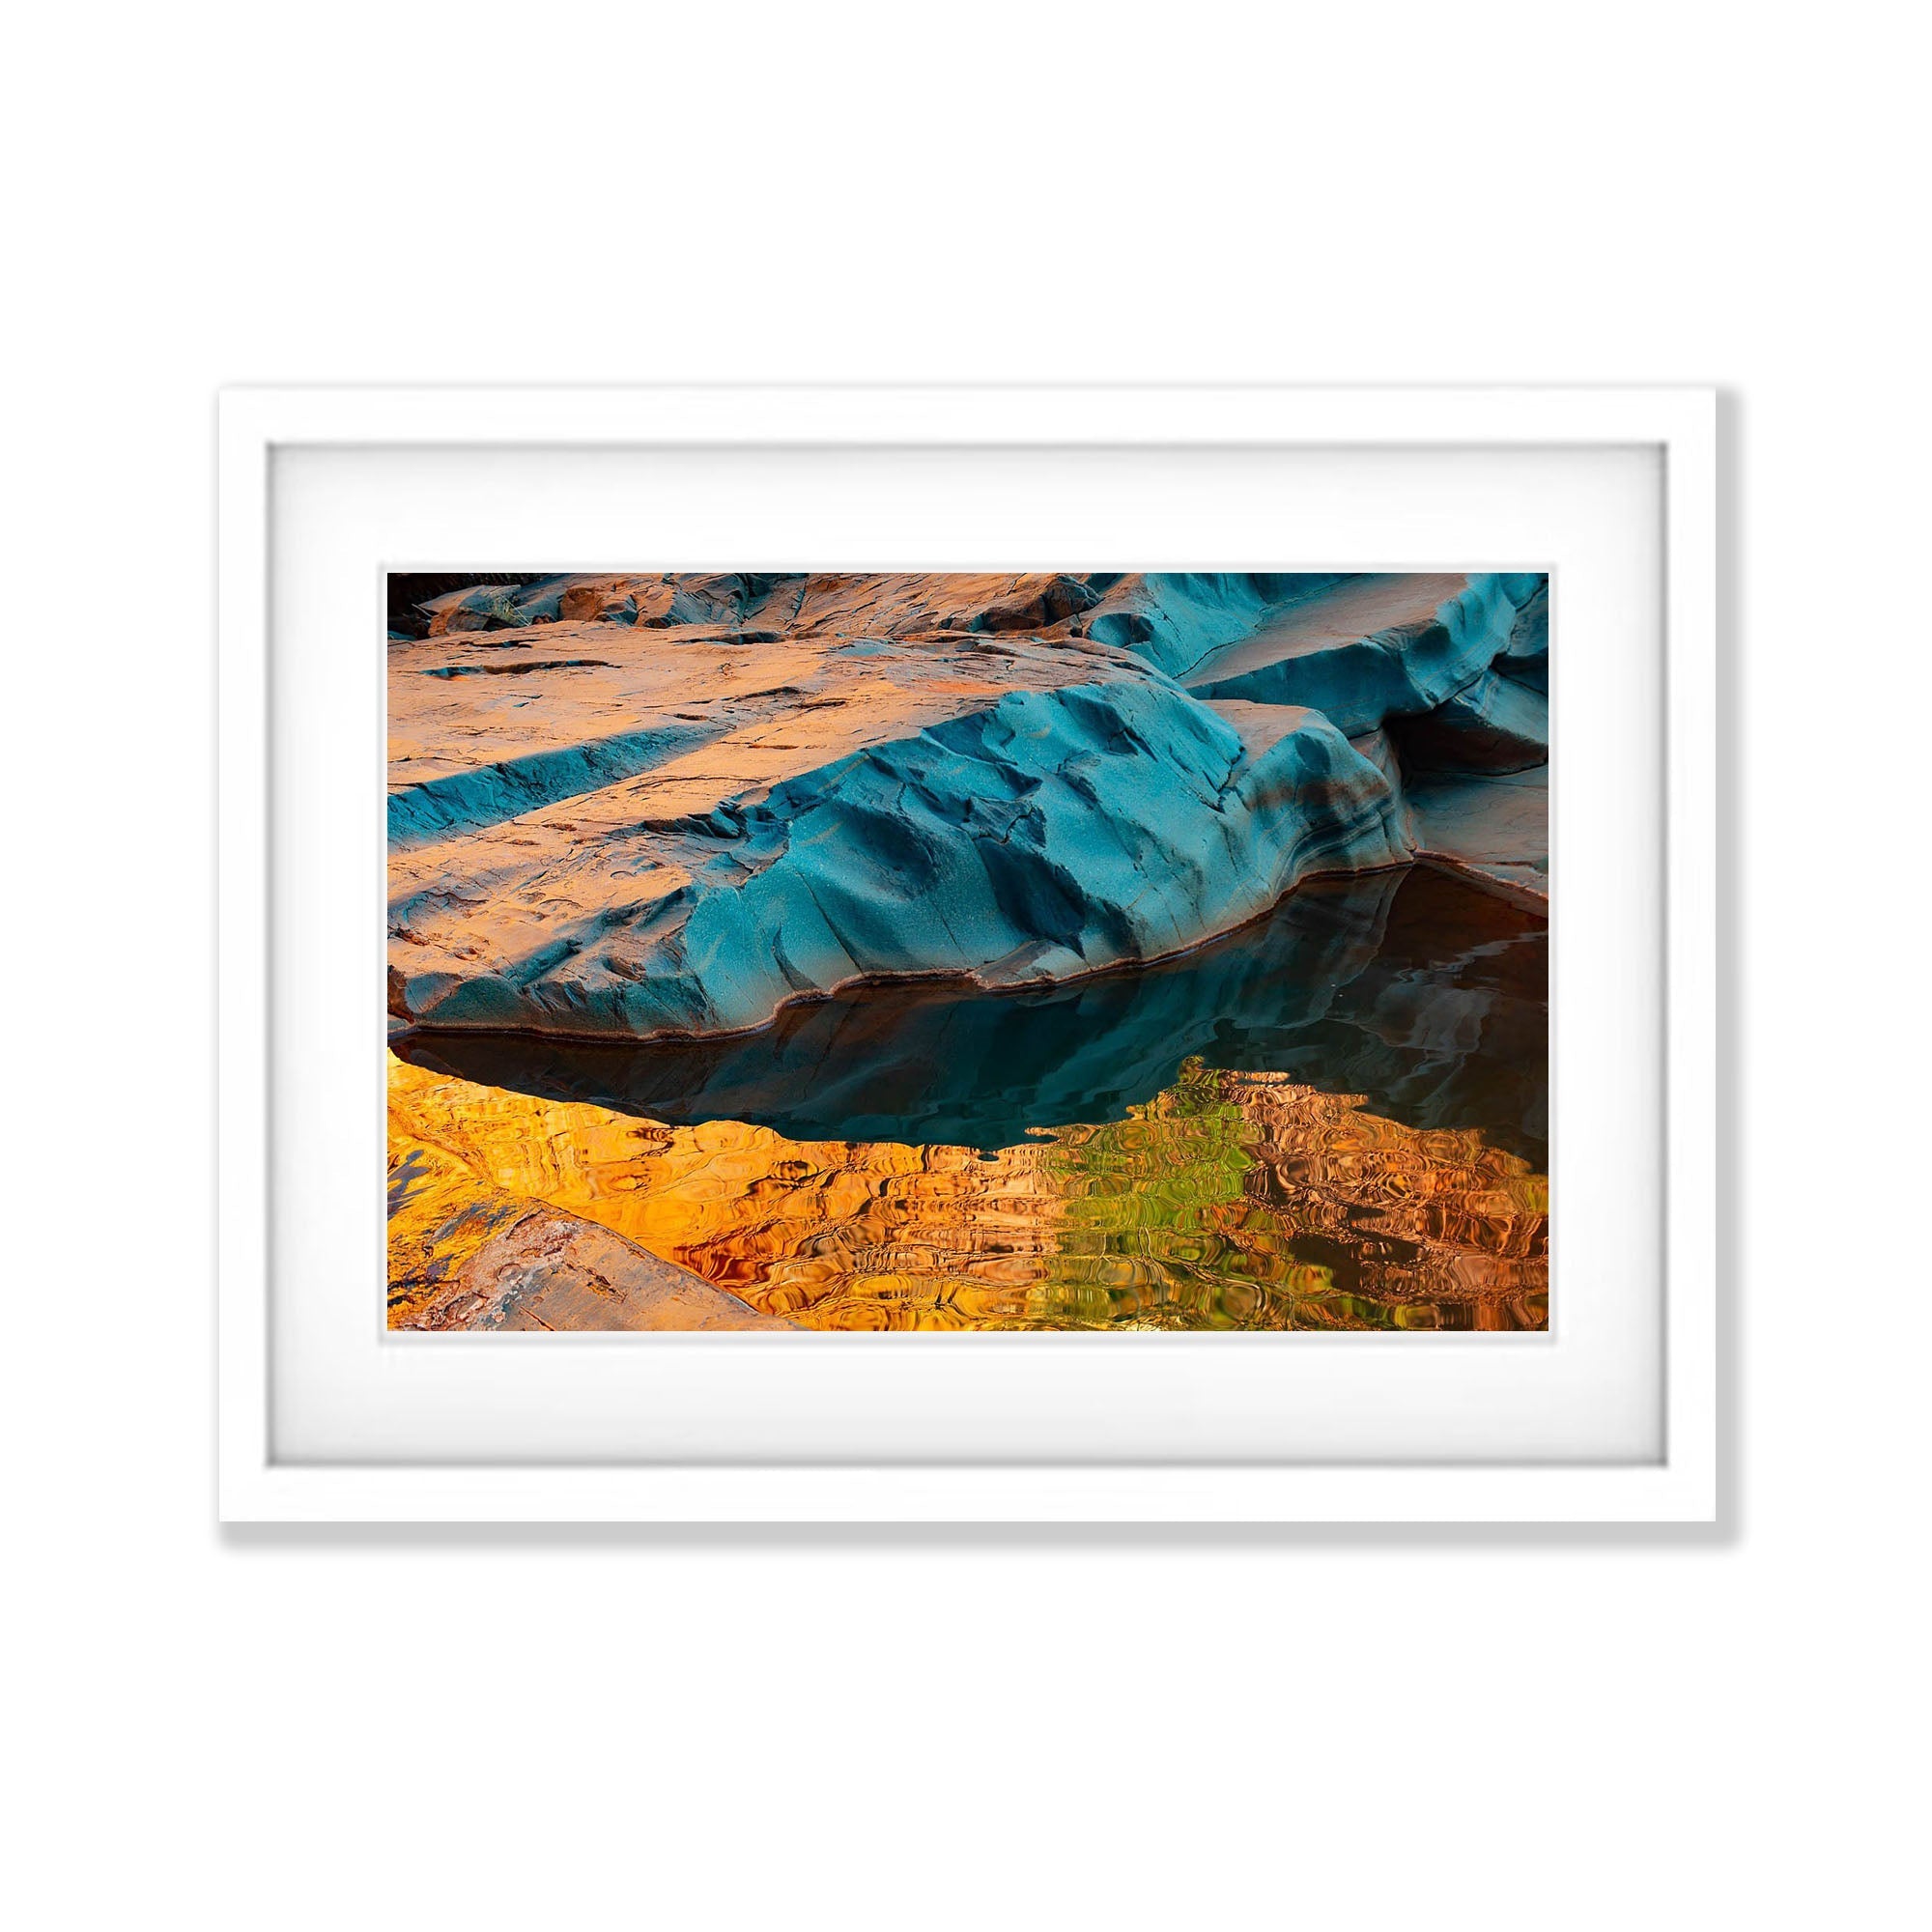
907	1730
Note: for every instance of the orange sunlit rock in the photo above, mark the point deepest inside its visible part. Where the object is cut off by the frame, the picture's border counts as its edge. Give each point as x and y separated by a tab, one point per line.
1230	1200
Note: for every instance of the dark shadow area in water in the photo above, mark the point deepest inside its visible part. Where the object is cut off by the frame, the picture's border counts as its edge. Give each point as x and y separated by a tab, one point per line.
1423	994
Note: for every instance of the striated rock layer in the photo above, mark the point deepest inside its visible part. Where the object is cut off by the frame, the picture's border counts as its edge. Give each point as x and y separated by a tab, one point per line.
630	807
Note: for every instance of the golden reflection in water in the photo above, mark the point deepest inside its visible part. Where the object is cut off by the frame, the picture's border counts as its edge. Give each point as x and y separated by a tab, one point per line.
1229	1201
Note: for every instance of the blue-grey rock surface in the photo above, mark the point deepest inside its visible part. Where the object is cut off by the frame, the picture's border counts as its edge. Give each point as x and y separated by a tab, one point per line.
633	807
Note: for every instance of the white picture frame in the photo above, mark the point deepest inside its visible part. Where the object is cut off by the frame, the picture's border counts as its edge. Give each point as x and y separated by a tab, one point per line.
259	1480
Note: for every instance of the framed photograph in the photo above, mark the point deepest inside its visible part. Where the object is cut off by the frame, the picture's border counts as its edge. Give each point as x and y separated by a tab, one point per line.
968	955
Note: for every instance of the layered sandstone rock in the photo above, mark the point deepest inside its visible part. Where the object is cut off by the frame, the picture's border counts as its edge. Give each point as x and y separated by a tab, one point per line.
633	805
1371	648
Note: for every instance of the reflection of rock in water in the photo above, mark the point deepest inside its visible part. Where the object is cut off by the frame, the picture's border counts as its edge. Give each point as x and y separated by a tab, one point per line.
1227	1200
1439	1214
464	1254
1414	990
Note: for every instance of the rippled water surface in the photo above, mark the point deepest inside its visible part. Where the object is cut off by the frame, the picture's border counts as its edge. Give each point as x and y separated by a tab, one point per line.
1333	1118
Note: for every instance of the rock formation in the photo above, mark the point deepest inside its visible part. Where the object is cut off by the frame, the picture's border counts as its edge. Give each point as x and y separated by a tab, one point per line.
634	806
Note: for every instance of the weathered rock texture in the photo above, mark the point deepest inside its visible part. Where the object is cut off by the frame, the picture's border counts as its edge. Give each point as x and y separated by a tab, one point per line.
637	806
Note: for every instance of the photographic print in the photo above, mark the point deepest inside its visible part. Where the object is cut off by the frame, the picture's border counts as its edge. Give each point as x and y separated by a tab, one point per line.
1079	951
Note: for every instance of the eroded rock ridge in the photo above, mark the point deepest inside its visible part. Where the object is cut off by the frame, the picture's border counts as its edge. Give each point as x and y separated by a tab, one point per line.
633	805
